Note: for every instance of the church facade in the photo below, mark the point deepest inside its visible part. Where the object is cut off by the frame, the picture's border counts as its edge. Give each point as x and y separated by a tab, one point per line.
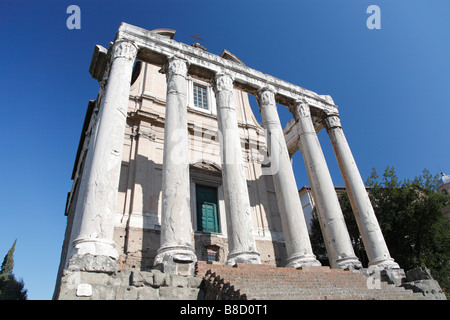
173	167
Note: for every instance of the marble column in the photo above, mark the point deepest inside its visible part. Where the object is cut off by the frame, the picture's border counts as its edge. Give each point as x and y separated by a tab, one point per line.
93	231
295	230
176	254
241	243
368	226
337	240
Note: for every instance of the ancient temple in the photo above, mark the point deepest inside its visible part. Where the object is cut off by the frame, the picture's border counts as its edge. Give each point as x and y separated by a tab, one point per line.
173	169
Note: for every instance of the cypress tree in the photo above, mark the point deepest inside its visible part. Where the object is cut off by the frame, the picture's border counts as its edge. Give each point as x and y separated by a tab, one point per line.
8	263
10	288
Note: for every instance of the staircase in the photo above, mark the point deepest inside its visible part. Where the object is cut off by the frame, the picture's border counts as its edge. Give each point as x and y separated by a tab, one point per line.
266	282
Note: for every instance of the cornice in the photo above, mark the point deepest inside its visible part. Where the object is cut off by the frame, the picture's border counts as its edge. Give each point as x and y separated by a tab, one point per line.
157	49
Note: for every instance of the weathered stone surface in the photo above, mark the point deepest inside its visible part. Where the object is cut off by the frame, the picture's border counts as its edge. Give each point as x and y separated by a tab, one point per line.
176	255
294	226
128	285
337	240
393	276
95	263
241	243
421	273
421	280
265	282
95	208
429	288
159	278
147	293
368	226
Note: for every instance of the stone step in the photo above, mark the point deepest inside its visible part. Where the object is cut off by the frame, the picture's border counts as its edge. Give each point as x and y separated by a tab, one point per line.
273	283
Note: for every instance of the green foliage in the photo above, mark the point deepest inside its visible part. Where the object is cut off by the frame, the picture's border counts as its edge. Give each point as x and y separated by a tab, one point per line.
10	287
412	220
8	263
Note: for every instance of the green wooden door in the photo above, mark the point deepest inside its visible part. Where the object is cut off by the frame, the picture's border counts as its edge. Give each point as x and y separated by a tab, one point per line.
207	217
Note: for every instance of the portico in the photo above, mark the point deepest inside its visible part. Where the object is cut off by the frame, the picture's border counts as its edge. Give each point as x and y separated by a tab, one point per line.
92	233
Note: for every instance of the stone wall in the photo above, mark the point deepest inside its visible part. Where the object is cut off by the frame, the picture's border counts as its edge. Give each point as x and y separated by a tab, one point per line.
128	285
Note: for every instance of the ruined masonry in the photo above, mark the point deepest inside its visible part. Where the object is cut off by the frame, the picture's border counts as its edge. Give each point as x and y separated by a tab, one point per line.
177	187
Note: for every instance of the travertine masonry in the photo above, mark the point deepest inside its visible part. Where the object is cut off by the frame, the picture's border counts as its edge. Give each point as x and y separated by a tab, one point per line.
128	285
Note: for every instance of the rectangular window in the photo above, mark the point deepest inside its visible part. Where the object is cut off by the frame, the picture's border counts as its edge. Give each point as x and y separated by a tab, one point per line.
200	97
207	209
211	257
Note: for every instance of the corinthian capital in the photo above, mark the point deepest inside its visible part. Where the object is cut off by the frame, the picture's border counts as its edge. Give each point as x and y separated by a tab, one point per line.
301	110
177	66
223	82
124	49
332	121
266	97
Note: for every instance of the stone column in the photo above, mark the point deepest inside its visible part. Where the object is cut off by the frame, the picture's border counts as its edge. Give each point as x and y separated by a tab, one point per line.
241	243
337	240
93	247
176	254
368	226
298	245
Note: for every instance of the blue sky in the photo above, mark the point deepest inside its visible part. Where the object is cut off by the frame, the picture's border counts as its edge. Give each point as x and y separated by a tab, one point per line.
391	86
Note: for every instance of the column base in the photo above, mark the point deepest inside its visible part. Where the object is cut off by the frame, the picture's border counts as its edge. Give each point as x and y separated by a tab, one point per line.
250	257
95	247
347	263
300	260
384	264
178	260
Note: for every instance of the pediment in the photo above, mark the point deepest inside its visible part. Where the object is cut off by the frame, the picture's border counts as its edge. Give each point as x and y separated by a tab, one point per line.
205	165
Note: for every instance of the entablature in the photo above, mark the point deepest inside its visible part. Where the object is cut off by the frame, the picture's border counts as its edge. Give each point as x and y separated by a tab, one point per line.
156	49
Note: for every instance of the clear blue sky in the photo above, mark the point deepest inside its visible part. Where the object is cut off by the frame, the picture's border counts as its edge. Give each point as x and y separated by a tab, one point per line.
391	85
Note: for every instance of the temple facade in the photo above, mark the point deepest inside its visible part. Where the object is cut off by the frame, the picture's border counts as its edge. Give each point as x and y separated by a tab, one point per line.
173	168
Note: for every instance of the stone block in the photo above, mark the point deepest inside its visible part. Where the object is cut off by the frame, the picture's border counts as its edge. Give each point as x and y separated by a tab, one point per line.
178	281
429	288
421	273
141	278
93	263
124	276
168	293
127	293
194	282
393	276
159	279
147	293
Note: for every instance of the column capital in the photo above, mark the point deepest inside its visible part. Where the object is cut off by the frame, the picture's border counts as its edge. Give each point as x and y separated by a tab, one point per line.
223	82
176	66
332	121
124	49
266	96
300	109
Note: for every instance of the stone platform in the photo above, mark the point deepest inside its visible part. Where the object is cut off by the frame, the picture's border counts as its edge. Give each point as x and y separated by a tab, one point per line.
238	282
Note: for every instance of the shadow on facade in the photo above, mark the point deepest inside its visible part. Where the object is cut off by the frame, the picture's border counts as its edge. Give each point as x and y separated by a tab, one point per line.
139	236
